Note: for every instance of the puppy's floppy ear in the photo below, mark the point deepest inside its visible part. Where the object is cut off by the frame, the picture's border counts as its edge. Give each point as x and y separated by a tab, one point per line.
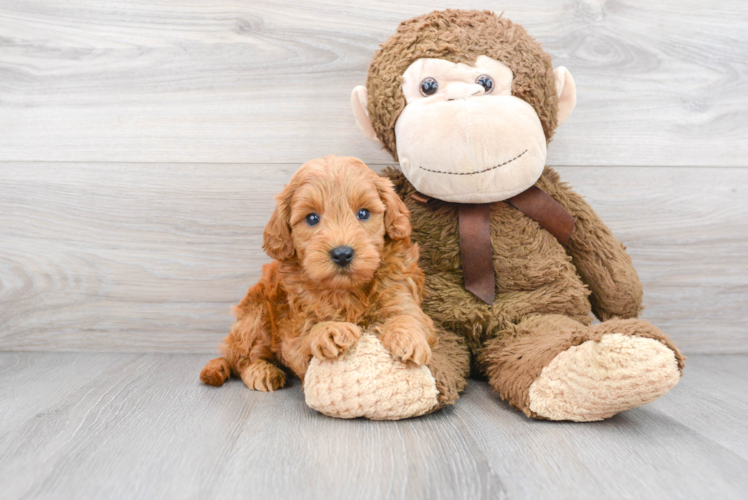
396	214
277	241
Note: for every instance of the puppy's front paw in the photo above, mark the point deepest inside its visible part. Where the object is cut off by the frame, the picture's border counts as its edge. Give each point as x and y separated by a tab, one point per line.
406	343
330	339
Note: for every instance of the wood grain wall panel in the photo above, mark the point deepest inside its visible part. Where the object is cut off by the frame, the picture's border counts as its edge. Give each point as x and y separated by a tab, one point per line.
149	257
660	83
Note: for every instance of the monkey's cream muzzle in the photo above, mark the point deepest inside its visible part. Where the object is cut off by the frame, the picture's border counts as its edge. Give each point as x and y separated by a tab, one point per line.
463	142
463	137
472	149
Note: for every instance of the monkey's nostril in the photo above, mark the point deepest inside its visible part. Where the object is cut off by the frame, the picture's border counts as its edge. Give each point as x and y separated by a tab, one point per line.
341	256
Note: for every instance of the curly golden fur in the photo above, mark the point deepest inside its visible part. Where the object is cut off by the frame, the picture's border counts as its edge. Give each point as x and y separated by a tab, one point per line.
305	304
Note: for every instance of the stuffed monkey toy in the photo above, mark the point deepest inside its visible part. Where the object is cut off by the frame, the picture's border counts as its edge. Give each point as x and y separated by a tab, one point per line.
515	260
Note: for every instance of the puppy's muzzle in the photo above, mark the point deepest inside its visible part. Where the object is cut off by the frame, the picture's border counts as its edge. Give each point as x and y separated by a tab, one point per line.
342	256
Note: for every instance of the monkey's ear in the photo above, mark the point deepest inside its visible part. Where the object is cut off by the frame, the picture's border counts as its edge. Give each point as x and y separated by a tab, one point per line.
277	241
396	214
359	102
567	93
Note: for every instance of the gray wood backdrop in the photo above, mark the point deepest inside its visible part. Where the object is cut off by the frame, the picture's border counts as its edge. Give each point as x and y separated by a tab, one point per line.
141	144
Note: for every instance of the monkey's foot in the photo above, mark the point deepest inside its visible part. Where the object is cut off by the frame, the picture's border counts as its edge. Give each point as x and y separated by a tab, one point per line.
597	379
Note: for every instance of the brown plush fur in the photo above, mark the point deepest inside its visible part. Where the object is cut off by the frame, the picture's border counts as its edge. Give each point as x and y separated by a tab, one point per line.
304	305
514	359
543	290
450	366
459	36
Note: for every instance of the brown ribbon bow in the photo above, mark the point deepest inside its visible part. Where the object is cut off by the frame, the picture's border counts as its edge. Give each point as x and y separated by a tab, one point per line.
475	235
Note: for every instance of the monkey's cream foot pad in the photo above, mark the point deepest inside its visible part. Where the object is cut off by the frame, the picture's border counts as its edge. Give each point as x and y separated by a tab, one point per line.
366	381
596	380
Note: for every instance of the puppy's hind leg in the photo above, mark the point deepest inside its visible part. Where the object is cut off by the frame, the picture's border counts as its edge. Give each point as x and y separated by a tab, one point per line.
247	350
215	372
259	376
262	375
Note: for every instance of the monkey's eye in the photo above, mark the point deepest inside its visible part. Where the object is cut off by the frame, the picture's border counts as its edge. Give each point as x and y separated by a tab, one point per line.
312	219
486	82
363	214
429	86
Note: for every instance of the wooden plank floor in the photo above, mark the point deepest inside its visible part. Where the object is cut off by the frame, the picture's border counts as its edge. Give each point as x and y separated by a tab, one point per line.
81	426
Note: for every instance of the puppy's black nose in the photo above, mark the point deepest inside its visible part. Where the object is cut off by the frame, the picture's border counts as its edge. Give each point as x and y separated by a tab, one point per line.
342	256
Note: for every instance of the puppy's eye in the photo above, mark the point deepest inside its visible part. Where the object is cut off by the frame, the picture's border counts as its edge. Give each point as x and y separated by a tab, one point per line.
429	86
312	219
486	82
363	214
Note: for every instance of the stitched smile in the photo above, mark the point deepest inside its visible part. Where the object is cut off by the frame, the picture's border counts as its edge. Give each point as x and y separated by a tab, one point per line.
473	173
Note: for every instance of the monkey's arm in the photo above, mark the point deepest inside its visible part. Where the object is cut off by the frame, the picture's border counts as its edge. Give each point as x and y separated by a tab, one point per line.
600	259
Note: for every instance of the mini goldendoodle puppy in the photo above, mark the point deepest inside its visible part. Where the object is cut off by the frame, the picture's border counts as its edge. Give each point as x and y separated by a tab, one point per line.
344	263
